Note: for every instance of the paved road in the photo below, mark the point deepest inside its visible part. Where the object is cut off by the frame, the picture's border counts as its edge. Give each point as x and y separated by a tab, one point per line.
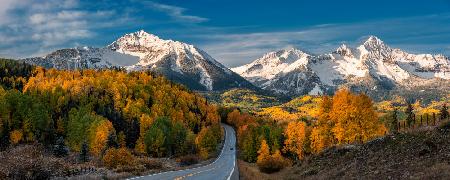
223	168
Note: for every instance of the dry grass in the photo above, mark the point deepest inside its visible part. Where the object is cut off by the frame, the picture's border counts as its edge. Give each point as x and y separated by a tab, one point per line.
413	155
33	161
29	162
188	160
250	171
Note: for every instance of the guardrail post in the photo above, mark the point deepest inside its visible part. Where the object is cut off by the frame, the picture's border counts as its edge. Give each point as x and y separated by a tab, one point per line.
421	123
434	119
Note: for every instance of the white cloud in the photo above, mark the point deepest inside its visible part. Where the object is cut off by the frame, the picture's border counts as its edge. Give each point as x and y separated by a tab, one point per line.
176	13
49	25
5	6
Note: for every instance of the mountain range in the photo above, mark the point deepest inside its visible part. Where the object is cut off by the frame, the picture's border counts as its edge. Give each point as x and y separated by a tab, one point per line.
372	67
178	61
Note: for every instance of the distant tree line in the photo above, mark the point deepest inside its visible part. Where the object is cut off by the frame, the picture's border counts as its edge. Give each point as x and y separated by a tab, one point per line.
344	118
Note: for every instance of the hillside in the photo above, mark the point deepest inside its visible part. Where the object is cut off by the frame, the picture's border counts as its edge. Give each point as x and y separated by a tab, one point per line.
301	107
244	99
104	118
414	155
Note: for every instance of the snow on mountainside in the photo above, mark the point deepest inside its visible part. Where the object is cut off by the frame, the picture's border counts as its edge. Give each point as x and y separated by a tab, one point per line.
373	63
83	58
178	61
269	65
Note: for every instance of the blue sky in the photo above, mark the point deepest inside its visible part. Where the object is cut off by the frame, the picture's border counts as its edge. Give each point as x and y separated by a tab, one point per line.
234	32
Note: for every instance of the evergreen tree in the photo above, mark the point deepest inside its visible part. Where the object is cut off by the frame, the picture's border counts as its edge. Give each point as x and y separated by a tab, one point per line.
121	139
158	138
409	114
249	144
179	134
60	149
132	133
84	152
111	142
393	121
444	112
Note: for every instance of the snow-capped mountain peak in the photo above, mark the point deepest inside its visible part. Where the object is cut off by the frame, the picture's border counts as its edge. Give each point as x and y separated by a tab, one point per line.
375	44
140	50
373	39
343	50
373	61
136	43
282	56
270	64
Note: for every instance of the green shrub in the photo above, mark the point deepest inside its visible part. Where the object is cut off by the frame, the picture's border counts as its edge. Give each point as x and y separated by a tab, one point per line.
445	125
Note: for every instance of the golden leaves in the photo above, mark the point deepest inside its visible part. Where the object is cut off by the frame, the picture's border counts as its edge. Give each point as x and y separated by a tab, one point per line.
295	137
15	136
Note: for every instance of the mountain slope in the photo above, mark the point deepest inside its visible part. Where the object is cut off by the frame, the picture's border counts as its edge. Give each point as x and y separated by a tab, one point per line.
177	61
371	66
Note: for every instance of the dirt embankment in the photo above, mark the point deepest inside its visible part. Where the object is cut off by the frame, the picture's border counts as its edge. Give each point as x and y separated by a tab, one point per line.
412	155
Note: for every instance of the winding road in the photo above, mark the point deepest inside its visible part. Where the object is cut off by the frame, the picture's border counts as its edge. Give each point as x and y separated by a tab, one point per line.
223	168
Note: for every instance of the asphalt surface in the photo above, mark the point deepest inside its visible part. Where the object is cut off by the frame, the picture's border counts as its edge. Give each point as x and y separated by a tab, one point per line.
223	168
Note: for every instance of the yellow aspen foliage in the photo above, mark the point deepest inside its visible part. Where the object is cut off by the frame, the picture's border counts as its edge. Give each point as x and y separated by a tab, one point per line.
238	119
295	134
354	117
99	135
15	136
317	141
263	153
416	105
269	163
211	115
145	121
322	135
206	142
233	117
123	97
346	117
177	116
140	146
367	125
342	114
279	113
118	157
279	160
